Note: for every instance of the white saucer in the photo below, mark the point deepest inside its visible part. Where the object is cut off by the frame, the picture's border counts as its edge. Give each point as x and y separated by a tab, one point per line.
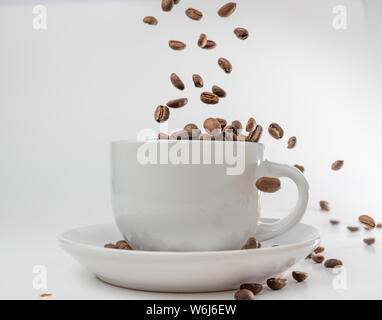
186	271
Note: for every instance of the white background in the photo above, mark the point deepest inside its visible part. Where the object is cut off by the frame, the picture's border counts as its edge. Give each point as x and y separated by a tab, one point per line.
97	74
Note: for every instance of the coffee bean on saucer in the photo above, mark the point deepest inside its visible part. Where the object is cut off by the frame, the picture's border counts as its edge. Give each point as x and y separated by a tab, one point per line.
176	81
334	222
177	103
212	125
276	283
337	165
150	20
225	65
251	124
353	229
109	245
244	294
254	287
194	14
209	98
163	136
236	124
251	243
299	276
318	258
222	122
219	92
176	45
268	184
226	10
319	250
324	205
202	41
255	135
275	131
301	168
123	245
193	130
167	5
198	81
369	241
209	45
367	221
292	142
241	33
162	113
332	263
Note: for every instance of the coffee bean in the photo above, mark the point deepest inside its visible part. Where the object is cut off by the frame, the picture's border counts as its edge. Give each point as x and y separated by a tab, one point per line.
299	276
268	184
241	33
150	20
163	136
324	205
255	135
176	1
202	41
337	165
225	65
334	222
275	131
254	287
210	45
276	283
193	130
332	263
123	245
206	136
194	14
109	245
219	92
301	168
167	5
251	124
251	243
198	81
226	10
353	229
212	125
222	122
309	256
369	241
244	294
379	225
318	258
367	221
292	142
209	98
236	124
319	250
180	135
177	103
176	81
176	45
162	113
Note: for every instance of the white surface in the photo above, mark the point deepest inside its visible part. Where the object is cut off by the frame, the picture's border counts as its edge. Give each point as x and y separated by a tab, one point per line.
206	271
66	92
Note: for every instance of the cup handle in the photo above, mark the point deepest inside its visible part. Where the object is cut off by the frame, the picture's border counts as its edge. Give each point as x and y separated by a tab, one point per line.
270	169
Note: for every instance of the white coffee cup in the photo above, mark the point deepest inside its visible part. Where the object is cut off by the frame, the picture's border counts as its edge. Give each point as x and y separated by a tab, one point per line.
203	206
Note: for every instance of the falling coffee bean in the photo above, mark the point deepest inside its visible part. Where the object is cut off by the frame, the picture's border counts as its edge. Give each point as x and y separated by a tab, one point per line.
299	276
319	250
176	81
301	168
194	14
150	20
255	135
226	10
353	229
276	283
268	184
369	241
222	122
292	142
241	33
176	45
212	125
209	98
236	124
332	263
275	131
167	5
254	287
198	81
244	294
251	243
318	258
162	113
367	221
177	103
324	205
338	165
193	130
163	136
176	1
225	65
219	92
334	222
209	45
379	225
251	124
202	41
